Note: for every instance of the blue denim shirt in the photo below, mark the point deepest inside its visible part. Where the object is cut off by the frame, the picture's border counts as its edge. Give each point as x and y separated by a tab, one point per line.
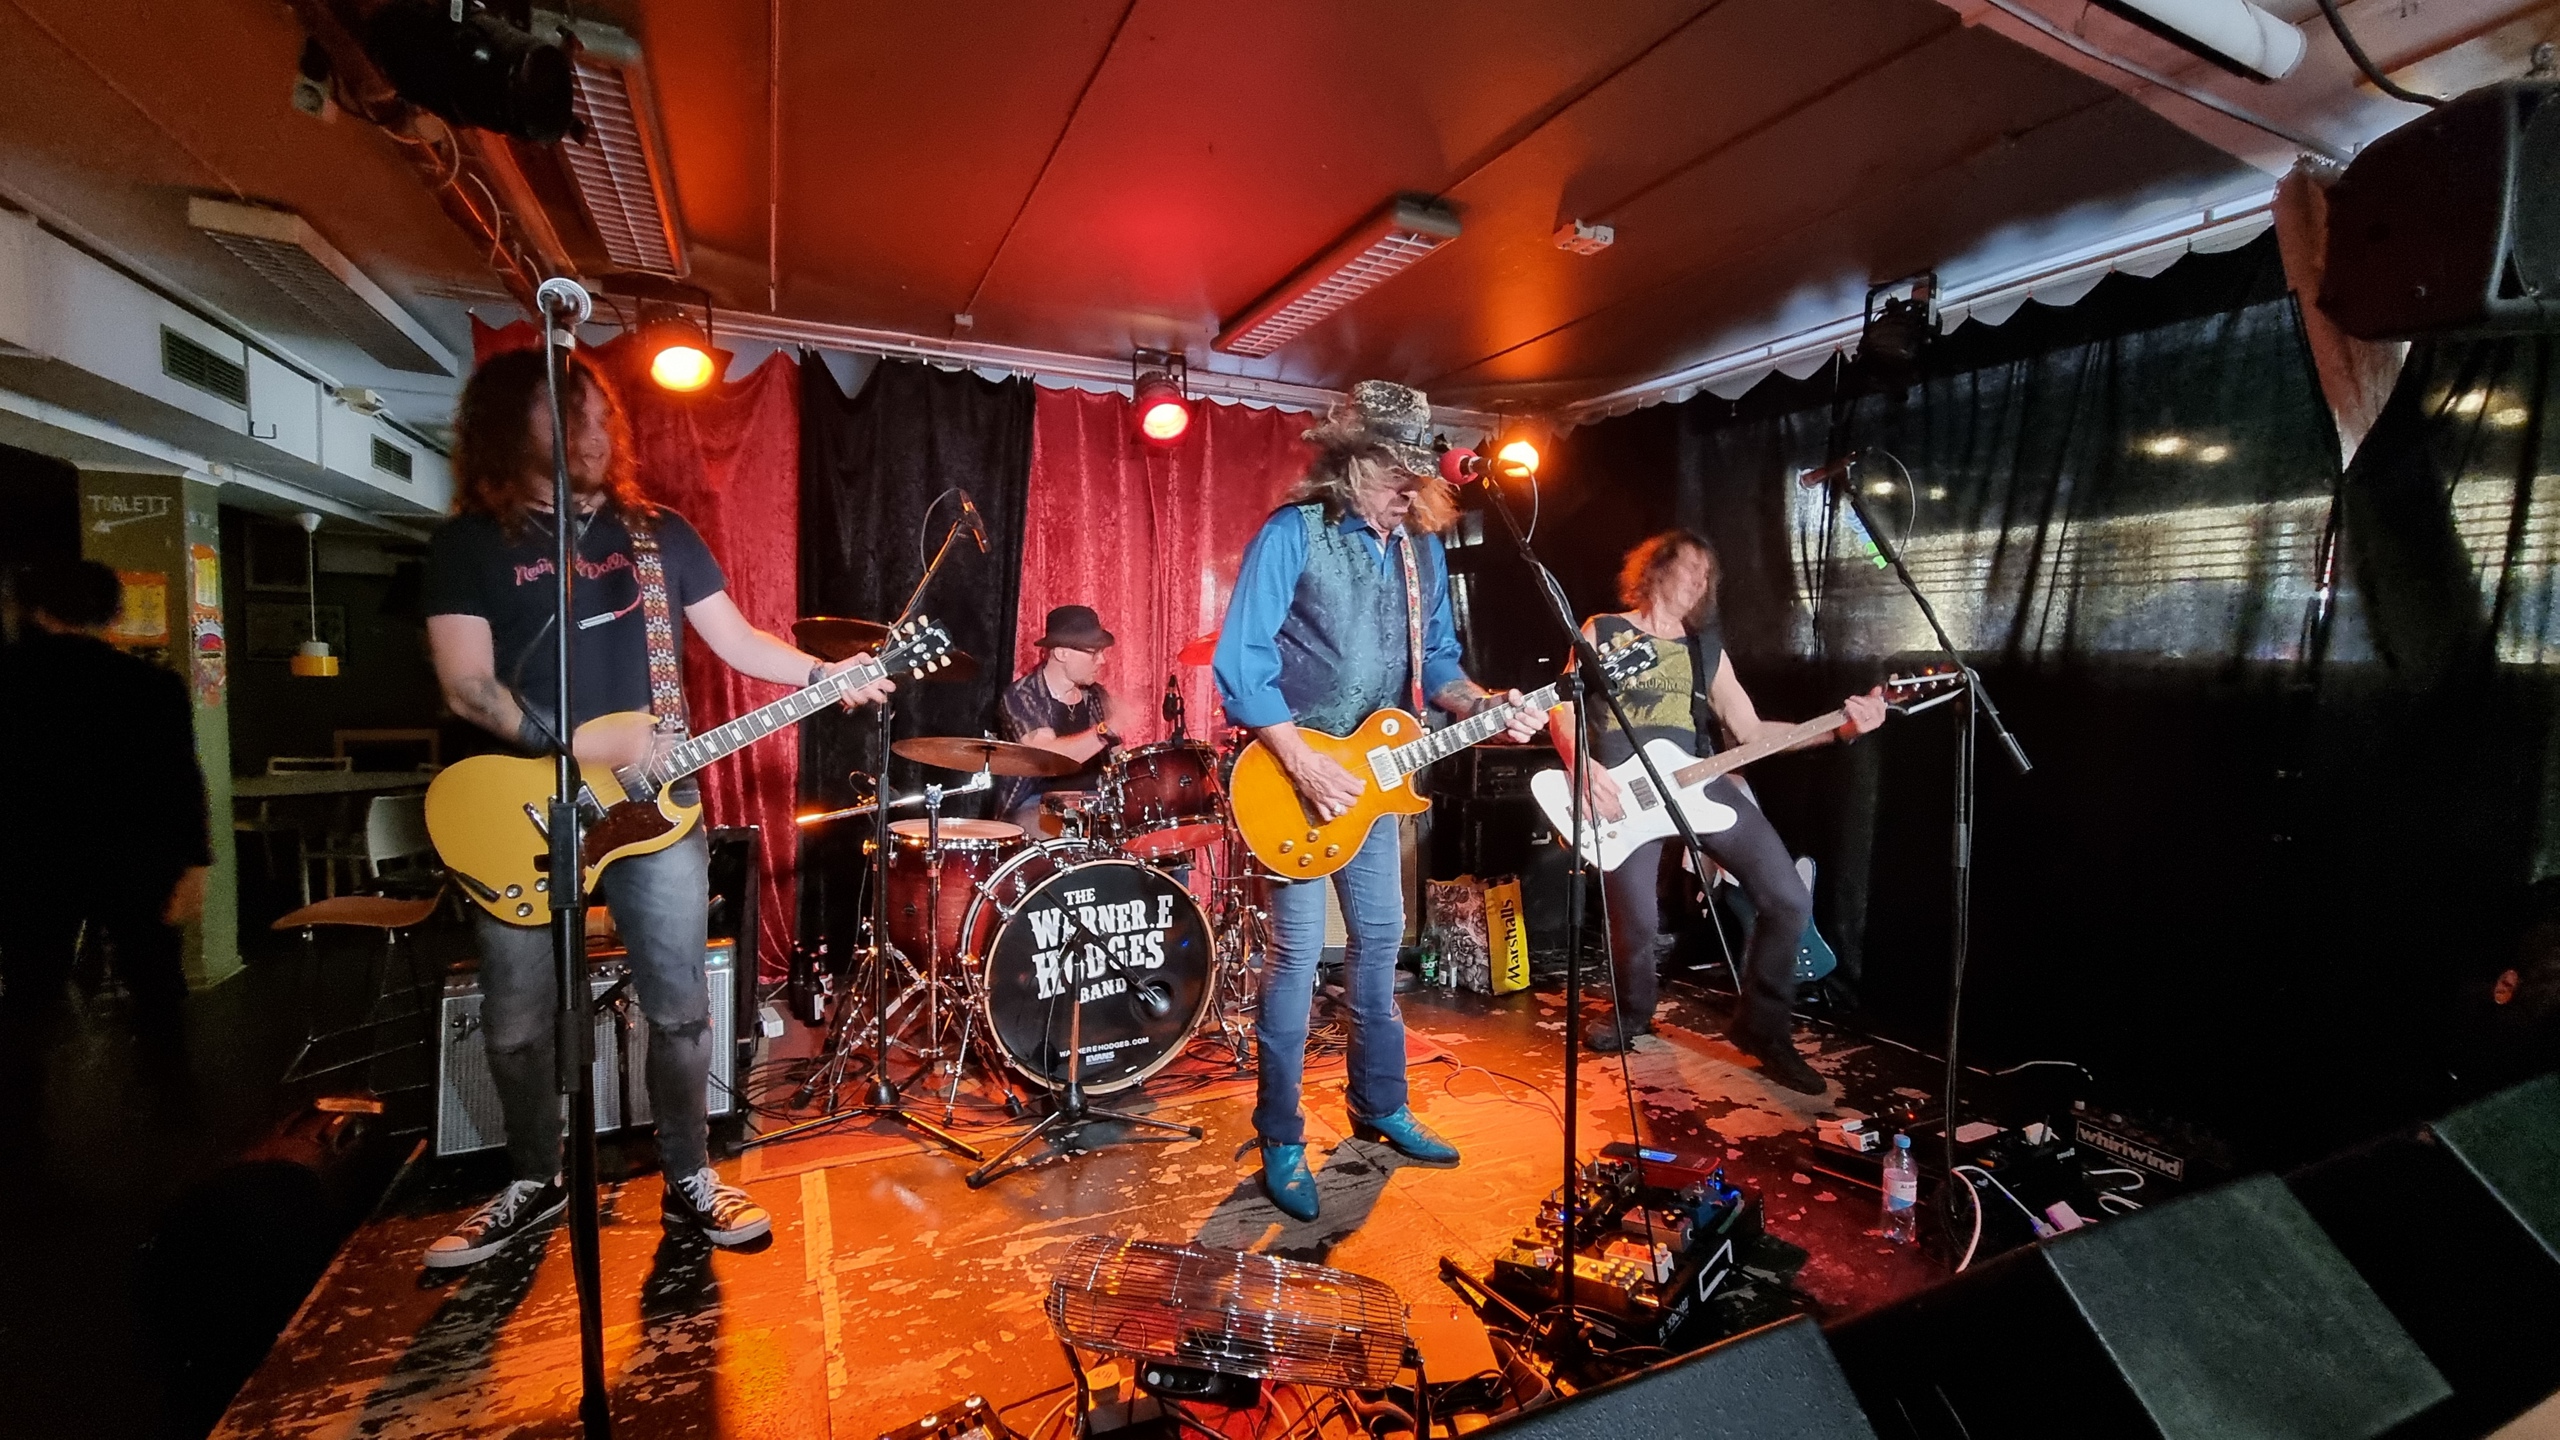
1247	664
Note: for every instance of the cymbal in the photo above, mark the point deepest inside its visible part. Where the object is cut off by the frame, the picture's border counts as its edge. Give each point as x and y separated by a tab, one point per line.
832	639
955	752
1199	652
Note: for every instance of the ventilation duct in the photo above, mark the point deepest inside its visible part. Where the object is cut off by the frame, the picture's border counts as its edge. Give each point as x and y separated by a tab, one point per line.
282	249
619	168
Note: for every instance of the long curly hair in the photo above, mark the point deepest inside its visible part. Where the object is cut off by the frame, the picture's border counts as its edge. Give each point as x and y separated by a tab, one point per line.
493	456
1346	458
1646	564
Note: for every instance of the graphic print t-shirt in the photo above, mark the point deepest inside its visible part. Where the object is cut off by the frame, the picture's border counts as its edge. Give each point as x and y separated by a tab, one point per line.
474	569
1661	702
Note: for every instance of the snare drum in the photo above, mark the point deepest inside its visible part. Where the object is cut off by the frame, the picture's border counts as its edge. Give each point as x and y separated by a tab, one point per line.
1169	800
1079	941
972	851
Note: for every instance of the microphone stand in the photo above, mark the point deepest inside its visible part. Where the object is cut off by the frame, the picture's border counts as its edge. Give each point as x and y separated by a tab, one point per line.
574	1040
1577	683
1977	707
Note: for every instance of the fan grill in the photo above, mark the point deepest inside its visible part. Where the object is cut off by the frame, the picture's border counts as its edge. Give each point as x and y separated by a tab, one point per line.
1228	1311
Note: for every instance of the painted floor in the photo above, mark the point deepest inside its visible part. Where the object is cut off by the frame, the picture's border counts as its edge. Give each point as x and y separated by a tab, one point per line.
889	1289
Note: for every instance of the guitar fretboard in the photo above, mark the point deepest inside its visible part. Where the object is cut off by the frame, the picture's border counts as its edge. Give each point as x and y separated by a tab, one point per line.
1474	730
756	724
1741	755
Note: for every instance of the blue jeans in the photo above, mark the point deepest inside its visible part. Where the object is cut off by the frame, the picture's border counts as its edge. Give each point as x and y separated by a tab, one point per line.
662	905
1372	892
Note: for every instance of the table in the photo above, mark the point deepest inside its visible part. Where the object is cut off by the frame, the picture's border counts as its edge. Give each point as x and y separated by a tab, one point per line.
325	782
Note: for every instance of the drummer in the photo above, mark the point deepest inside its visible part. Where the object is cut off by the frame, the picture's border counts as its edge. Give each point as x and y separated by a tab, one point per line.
1059	706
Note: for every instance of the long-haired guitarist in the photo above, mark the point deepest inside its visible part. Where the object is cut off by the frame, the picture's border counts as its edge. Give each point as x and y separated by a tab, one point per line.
1341	608
1668	584
490	606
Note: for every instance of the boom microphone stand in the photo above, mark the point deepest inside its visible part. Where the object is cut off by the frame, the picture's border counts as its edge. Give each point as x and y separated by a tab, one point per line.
1577	683
1838	478
564	304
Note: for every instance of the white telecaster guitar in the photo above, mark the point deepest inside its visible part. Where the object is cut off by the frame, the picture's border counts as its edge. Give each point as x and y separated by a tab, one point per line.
1609	843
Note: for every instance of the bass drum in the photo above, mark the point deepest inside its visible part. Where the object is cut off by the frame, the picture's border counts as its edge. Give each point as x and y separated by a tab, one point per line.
1081	941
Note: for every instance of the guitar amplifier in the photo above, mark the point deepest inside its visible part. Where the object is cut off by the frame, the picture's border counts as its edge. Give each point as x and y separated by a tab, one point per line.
468	1117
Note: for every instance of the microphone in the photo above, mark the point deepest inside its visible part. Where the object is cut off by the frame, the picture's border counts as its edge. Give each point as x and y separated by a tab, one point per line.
565	299
1838	473
1460	466
1822	475
977	522
1152	997
1172	694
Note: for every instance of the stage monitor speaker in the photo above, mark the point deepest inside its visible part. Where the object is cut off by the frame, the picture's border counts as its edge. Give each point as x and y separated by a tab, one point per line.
2221	1314
1778	1382
2452	221
468	1117
2457	1228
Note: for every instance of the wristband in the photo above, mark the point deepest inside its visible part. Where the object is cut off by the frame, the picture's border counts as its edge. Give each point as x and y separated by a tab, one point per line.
817	673
532	734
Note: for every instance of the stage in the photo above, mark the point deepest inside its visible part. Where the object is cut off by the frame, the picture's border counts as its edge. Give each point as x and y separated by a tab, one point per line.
889	1289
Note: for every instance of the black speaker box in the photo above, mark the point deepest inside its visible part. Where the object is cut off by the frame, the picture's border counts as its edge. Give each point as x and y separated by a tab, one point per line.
2452	221
1778	1382
2457	1229
2223	1314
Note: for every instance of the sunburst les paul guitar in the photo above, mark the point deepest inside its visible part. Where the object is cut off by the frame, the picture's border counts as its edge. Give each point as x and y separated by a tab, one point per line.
1388	749
487	815
1608	843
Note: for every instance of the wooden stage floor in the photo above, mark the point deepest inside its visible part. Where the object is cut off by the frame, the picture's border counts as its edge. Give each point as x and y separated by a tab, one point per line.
889	1289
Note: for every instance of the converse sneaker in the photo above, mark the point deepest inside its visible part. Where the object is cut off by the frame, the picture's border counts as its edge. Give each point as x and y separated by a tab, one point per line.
519	1208
724	1213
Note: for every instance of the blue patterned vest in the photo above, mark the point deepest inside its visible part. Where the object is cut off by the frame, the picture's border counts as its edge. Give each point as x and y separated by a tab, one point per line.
1343	649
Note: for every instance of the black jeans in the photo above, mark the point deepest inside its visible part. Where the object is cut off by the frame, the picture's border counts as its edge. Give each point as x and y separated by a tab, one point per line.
1752	852
39	933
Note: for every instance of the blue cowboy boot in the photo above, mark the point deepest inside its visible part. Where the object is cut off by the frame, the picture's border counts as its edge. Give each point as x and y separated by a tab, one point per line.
1409	1136
1286	1180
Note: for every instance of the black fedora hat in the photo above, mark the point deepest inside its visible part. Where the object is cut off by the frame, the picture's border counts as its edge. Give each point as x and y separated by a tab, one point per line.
1077	628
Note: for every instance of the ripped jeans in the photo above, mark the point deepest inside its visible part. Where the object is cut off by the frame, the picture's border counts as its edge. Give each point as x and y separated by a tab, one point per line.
661	904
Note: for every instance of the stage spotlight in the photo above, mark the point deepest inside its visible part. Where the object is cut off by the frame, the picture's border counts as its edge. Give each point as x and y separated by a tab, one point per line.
1160	409
478	71
1519	457
679	354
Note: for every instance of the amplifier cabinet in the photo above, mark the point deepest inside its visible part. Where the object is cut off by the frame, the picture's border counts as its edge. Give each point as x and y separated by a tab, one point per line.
467	1114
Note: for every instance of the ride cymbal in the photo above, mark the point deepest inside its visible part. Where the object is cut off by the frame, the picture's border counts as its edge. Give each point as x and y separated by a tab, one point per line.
957	752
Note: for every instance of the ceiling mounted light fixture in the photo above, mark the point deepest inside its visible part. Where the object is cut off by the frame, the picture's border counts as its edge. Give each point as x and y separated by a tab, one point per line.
462	61
1159	404
1385	244
2234	34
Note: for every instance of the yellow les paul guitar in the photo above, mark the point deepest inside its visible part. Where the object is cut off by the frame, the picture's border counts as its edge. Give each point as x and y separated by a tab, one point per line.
487	815
1383	754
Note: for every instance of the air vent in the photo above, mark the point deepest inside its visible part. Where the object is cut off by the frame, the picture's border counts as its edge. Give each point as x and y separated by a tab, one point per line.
391	459
619	168
189	363
281	249
1403	231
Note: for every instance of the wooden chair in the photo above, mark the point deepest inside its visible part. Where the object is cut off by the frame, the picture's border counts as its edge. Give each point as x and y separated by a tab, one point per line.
398	858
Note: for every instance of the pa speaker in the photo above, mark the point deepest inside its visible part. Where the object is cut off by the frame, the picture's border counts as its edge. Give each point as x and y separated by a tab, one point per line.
2222	1314
2457	1228
2452	221
1778	1382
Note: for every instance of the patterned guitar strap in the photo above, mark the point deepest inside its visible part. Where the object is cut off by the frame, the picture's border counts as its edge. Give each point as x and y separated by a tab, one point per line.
1405	561
666	673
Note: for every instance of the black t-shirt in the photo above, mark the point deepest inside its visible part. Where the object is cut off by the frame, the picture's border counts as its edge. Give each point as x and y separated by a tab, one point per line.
473	569
1026	706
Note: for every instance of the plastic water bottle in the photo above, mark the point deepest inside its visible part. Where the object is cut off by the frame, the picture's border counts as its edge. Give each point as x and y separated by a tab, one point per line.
1901	1193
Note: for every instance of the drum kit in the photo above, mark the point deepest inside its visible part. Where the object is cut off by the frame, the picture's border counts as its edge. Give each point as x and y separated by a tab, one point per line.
1080	958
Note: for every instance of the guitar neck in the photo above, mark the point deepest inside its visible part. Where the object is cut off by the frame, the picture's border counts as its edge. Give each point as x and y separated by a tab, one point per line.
1474	730
756	724
1741	755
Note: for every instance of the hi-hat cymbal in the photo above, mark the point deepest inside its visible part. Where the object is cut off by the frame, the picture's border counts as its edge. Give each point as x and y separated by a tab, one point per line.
1199	652
832	639
956	752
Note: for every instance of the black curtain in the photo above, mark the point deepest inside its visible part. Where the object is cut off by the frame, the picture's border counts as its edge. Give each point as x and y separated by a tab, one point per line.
871	467
2267	843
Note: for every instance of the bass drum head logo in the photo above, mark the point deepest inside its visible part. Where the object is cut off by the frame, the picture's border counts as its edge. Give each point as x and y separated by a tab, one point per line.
1112	952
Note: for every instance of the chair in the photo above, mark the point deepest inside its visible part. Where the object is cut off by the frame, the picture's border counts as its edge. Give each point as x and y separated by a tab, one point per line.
395	839
419	749
306	764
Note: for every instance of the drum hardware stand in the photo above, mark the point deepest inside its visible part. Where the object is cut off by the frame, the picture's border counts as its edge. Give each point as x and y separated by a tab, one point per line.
880	1099
1069	1111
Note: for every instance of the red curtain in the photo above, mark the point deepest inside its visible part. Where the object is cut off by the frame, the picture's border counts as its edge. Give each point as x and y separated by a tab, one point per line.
1149	537
728	460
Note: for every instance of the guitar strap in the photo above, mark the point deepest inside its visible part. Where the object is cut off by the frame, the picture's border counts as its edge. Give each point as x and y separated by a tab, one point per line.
1410	564
666	672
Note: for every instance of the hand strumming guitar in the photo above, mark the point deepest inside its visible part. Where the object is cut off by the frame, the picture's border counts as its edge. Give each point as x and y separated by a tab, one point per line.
1328	789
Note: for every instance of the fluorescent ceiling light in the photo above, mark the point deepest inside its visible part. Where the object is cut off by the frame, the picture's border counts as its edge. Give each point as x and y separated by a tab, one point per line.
282	249
1401	232
619	168
2233	34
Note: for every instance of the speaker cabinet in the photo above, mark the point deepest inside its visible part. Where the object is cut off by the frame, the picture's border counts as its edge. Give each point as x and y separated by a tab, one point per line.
2452	221
1778	1382
467	1114
2221	1314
